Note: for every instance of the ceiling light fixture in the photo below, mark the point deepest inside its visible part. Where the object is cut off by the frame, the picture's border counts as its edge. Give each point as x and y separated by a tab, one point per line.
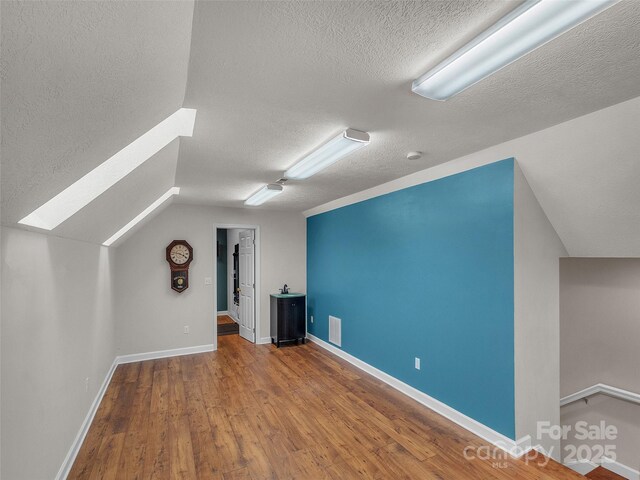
167	195
348	141
104	176
526	28
265	193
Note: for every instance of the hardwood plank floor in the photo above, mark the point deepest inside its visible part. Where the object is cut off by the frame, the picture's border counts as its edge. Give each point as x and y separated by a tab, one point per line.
256	412
602	473
225	320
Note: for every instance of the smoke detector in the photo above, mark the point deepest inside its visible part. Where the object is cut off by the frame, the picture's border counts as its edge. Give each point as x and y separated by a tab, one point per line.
414	155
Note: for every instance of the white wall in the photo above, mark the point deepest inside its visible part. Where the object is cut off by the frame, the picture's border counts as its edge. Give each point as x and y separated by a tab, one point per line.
599	339
600	315
537	249
58	330
150	316
618	413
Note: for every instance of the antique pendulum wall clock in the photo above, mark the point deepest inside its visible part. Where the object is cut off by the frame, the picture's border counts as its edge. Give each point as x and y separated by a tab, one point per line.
179	256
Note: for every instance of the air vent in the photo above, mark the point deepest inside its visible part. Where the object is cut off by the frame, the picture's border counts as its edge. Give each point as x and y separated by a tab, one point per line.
335	330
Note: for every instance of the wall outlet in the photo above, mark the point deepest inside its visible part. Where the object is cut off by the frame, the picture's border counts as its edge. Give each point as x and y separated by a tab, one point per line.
311	318
186	330
86	384
417	364
208	281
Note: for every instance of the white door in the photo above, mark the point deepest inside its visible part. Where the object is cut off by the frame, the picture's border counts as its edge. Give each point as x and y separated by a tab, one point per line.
247	285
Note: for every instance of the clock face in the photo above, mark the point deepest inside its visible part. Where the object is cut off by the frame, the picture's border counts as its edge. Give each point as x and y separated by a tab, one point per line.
179	254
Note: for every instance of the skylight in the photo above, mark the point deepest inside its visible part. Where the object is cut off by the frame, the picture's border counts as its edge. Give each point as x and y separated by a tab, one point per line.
104	176
169	194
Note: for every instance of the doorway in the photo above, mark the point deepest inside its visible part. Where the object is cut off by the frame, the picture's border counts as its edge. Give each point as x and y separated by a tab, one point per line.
236	281
226	272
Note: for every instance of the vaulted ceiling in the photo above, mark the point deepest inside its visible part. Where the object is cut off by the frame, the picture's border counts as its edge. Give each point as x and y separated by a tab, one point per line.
271	81
80	81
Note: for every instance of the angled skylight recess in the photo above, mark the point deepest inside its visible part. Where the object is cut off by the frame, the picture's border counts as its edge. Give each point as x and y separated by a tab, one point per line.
167	195
104	176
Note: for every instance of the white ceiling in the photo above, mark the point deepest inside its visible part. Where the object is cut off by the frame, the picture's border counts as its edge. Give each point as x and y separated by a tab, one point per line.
271	81
80	81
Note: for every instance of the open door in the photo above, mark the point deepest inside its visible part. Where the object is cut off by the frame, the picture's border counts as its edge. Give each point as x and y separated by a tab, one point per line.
247	285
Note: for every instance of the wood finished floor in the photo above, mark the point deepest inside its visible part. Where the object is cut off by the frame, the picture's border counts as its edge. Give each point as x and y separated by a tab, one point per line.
225	320
601	473
256	412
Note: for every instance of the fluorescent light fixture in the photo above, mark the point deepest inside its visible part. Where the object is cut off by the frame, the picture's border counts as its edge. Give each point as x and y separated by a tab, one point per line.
265	193
348	141
169	193
526	28
100	179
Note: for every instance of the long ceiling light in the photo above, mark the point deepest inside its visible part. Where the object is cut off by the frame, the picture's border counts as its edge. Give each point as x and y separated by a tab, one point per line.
526	28
265	193
348	141
100	179
166	196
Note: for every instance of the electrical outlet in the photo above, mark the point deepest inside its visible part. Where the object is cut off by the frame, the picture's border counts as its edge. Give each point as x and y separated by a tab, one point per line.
86	384
417	363
208	281
311	318
186	330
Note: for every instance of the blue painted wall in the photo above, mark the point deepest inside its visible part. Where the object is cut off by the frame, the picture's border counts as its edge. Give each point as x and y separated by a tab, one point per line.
221	265
426	272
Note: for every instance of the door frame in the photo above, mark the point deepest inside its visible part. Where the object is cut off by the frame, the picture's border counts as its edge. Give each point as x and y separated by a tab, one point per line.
256	300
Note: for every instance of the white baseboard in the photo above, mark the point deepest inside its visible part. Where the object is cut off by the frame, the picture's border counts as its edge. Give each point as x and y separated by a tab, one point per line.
622	470
585	466
582	467
139	357
225	312
84	428
121	359
264	340
513	448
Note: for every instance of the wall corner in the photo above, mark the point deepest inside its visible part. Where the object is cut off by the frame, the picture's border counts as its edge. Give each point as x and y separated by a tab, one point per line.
537	250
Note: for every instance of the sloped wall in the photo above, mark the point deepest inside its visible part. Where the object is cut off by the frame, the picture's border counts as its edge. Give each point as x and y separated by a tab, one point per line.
57	332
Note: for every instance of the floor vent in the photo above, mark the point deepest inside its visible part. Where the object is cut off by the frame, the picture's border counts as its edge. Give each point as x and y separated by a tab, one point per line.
335	330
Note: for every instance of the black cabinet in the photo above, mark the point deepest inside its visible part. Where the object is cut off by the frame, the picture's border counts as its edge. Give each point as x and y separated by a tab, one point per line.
288	317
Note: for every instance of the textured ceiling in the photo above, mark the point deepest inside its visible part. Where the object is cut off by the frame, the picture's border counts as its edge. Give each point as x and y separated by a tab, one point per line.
80	81
272	80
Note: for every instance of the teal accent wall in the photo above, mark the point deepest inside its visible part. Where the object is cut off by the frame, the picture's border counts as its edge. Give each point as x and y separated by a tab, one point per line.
222	270
426	272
